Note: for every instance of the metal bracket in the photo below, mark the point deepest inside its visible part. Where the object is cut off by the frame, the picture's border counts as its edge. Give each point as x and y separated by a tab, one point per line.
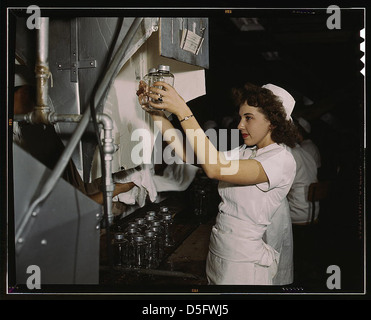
75	64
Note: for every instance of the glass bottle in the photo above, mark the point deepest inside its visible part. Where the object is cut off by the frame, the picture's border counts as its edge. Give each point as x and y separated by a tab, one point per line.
160	242
148	80
152	249
141	224
157	223
201	202
148	77
151	213
167	223
130	234
131	225
149	219
163	210
121	246
163	74
140	251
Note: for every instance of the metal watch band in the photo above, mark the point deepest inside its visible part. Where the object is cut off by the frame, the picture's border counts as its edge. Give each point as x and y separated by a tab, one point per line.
186	118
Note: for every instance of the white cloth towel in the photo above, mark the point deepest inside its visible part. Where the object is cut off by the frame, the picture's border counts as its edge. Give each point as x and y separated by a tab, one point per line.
141	176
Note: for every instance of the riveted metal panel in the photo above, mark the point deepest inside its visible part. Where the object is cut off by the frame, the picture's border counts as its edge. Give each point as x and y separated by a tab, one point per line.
62	236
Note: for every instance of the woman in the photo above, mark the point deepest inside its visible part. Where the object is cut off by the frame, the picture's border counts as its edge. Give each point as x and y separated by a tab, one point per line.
254	179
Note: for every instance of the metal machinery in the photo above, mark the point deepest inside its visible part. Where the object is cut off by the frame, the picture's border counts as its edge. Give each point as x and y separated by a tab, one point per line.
81	56
41	209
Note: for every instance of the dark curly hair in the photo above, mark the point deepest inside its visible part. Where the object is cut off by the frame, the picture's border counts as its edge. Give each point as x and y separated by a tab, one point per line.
283	131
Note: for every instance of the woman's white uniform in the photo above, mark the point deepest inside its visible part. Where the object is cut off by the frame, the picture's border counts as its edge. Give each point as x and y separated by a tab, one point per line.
309	146
306	173
237	253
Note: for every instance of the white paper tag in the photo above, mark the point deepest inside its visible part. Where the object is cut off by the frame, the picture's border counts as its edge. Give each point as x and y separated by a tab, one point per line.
191	41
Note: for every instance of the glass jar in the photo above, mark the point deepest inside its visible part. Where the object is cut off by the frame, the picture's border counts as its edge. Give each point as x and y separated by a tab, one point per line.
201	202
130	234
163	74
148	82
131	225
157	223
140	252
151	213
141	224
167	223
149	219
163	210
148	77
121	250
160	242
152	249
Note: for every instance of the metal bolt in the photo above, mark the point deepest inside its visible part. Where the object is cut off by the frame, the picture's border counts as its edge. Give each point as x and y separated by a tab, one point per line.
44	242
34	214
20	240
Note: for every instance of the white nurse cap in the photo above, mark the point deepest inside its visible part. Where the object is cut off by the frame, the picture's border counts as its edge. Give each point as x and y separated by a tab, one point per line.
287	100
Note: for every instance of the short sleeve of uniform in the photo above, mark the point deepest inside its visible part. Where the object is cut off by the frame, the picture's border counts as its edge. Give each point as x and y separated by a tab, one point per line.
279	166
233	154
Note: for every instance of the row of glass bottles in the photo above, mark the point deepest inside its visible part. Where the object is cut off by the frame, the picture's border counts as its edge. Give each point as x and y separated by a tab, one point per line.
142	243
161	73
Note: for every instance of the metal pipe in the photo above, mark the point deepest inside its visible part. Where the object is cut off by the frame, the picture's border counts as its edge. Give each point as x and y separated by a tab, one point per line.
108	148
111	73
108	151
55	117
22	117
41	110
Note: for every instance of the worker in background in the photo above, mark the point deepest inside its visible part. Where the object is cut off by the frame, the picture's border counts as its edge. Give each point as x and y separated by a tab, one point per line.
306	174
305	142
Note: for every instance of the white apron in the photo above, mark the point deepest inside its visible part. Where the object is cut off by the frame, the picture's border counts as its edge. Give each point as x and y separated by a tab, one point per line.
279	236
238	255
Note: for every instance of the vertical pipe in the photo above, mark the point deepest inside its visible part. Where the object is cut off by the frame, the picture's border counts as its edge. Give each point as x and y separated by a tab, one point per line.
42	63
42	68
108	150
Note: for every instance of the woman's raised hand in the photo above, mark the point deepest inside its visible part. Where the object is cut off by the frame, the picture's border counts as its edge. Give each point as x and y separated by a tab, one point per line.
166	98
143	99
